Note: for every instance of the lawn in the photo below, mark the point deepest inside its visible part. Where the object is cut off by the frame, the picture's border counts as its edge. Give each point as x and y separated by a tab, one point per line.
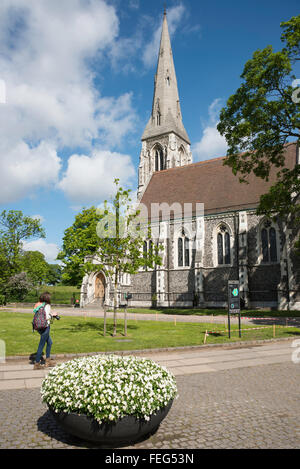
60	294
217	312
80	335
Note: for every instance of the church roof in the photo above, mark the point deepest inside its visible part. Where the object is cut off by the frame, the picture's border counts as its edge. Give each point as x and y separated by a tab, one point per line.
211	183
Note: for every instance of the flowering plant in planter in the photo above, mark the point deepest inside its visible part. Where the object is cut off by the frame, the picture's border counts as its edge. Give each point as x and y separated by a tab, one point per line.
109	387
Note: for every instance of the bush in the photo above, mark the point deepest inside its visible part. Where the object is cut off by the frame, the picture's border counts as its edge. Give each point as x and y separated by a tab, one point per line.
18	286
109	387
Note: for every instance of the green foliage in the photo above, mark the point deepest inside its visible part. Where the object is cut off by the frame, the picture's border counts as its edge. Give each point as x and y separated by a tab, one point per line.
291	36
80	240
18	286
261	118
54	274
121	239
14	229
121	246
33	262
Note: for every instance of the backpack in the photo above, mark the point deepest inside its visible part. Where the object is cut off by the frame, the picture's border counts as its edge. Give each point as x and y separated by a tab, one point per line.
39	321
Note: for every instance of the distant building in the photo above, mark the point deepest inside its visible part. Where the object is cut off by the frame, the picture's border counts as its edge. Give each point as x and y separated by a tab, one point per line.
228	241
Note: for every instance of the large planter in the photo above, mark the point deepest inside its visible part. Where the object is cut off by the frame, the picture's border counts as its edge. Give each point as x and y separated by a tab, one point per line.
109	399
126	430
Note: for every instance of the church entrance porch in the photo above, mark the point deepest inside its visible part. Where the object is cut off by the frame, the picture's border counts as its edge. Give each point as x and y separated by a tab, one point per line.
99	295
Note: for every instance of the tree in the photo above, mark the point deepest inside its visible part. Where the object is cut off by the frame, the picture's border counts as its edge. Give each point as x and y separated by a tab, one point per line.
18	286
121	240
54	274
261	118
80	240
36	267
14	229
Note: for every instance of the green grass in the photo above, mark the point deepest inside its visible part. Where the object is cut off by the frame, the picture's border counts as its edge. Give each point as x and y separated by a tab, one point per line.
79	335
216	312
60	294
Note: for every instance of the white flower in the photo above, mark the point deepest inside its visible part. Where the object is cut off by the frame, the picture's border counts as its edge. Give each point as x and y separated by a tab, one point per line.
108	387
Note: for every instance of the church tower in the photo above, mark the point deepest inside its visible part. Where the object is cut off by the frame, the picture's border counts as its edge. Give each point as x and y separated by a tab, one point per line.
165	143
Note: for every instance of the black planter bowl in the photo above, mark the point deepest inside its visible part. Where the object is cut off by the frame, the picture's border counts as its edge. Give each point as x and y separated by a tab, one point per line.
128	429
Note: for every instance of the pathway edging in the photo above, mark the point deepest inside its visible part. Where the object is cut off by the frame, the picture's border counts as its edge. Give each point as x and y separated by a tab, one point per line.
240	344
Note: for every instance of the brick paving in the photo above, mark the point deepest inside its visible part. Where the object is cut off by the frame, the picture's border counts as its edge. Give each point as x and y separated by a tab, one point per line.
249	407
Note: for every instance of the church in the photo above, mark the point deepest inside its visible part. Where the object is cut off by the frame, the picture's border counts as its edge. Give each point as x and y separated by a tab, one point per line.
204	218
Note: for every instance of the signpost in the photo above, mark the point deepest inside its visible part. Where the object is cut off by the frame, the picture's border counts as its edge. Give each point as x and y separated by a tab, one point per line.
234	302
124	304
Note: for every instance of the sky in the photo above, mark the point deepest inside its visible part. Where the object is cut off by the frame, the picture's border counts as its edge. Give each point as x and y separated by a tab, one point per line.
76	88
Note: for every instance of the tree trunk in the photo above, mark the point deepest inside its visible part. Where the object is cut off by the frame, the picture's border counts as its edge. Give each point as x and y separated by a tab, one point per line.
115	303
125	321
104	322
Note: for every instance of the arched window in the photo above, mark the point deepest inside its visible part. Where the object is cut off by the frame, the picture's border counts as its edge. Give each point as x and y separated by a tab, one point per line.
145	253
181	156
151	247
159	160
183	251
162	163
223	246
268	243
180	252
220	249
186	252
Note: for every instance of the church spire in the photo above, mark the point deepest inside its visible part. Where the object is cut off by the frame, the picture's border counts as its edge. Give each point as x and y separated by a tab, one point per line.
165	143
166	113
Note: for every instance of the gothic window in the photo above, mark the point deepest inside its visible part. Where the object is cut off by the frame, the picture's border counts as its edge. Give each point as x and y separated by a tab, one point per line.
223	246
180	252
147	250
220	249
162	165
159	160
156	160
183	251
181	156
186	252
268	243
150	247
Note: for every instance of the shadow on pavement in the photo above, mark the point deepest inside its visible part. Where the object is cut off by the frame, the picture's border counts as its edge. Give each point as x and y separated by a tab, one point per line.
47	425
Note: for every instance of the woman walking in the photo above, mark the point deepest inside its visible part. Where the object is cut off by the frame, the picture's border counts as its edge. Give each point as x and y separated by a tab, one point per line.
45	301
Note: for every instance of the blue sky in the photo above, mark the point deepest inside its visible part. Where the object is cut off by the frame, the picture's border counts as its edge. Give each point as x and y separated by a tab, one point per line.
79	77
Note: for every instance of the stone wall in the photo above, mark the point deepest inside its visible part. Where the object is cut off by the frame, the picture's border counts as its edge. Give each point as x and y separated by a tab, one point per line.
262	284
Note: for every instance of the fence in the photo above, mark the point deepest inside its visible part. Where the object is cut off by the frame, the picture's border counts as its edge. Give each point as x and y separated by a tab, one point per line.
210	299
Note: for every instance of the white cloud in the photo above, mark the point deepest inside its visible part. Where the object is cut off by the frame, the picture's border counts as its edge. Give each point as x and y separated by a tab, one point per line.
38	217
24	169
51	98
212	144
89	179
50	250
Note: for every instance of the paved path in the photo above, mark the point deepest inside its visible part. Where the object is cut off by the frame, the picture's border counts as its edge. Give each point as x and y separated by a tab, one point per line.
240	398
18	374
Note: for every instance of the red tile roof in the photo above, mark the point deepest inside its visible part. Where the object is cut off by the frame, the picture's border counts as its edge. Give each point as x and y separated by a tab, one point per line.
211	183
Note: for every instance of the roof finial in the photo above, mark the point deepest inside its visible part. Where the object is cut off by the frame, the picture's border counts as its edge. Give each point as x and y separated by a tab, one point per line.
165	9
